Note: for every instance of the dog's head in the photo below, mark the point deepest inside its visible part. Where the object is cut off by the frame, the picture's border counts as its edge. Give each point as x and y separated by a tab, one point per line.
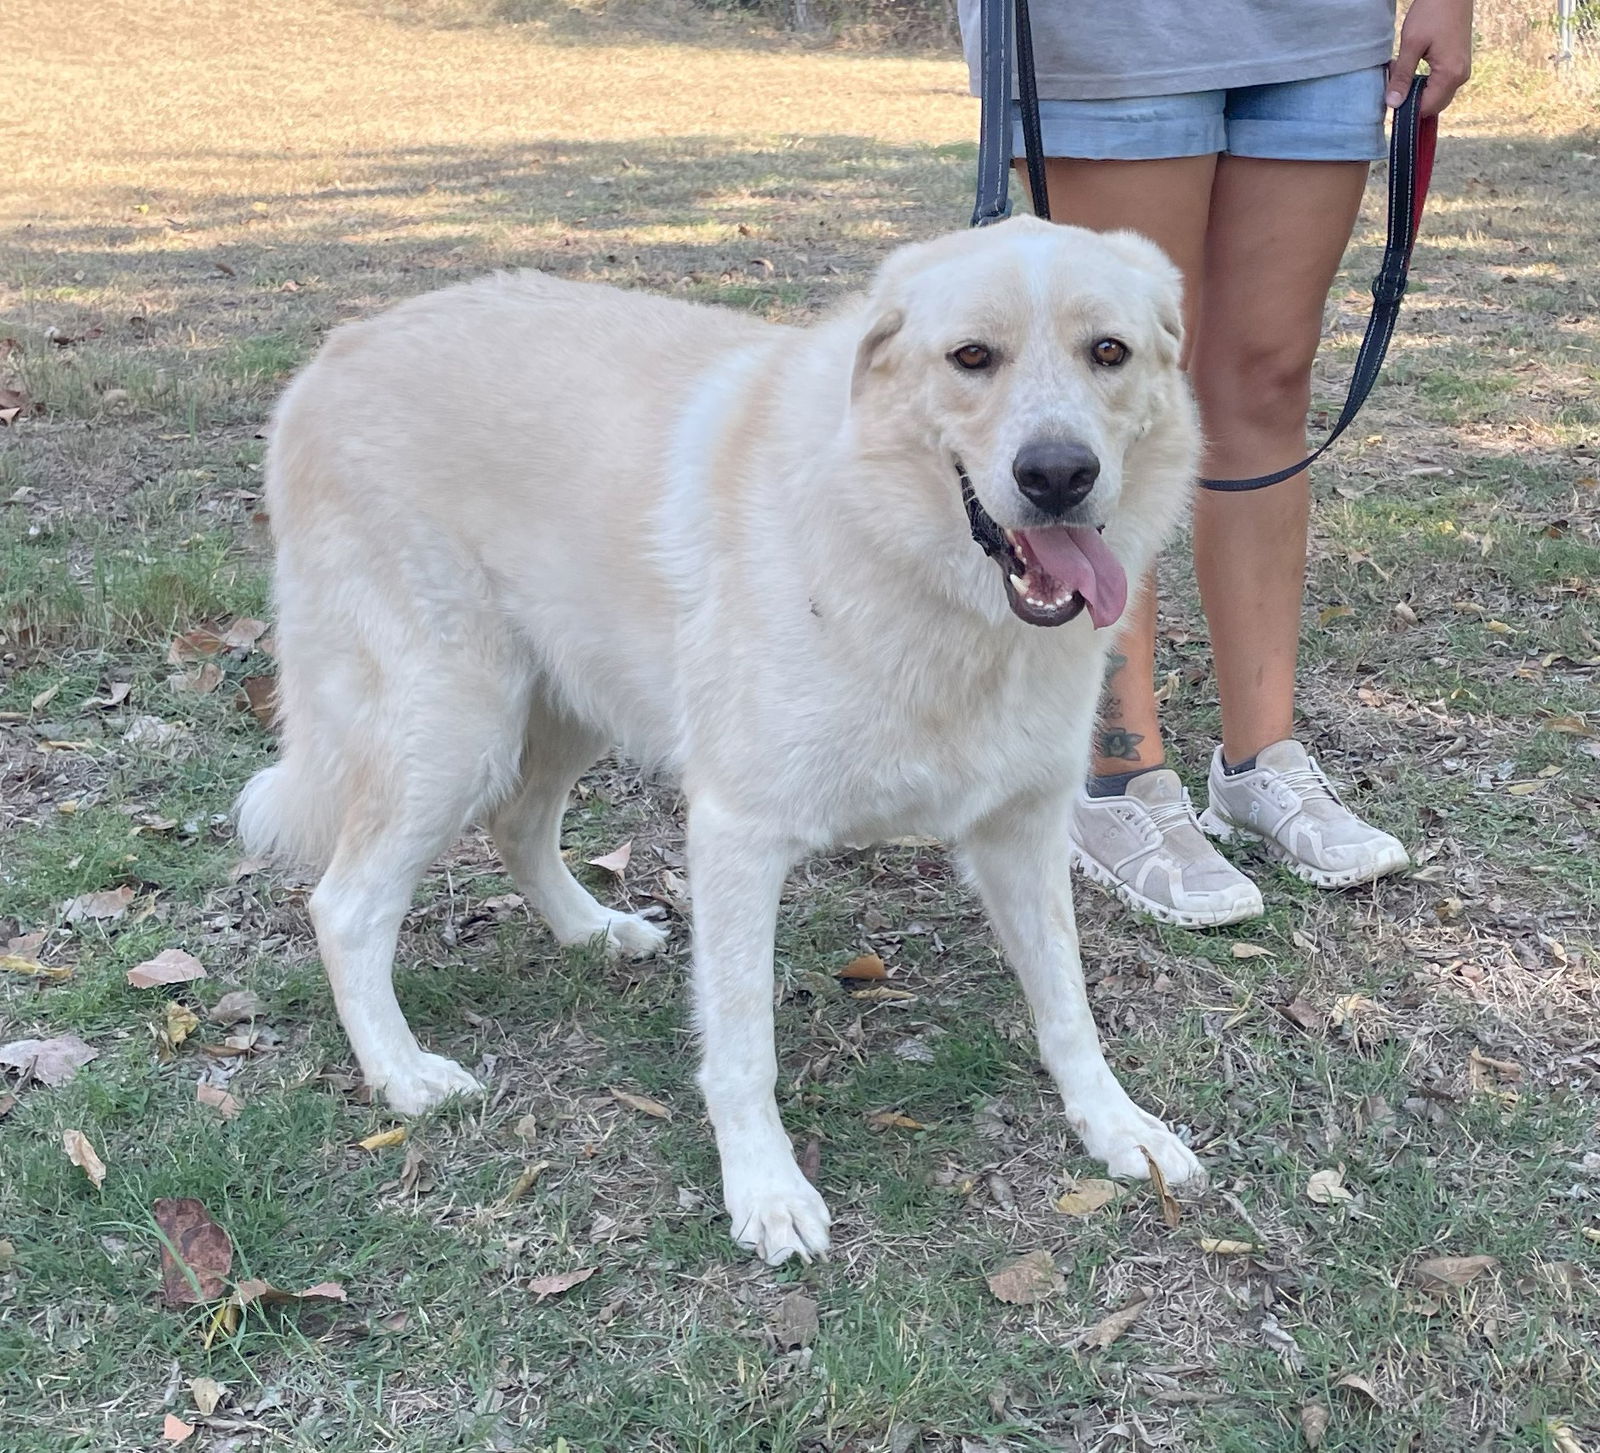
1033	369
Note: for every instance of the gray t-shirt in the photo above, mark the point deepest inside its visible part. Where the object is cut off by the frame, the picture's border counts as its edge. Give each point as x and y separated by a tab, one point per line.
1096	49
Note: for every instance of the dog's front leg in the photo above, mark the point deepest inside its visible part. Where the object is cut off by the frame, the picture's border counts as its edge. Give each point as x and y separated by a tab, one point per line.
736	873
1019	859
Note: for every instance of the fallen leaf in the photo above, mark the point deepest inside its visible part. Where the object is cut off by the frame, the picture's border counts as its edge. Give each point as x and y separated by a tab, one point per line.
1404	611
1327	1187
226	1106
245	867
116	693
524	1182
561	1281
170	966
616	861
243	634
201	682
416	1173
1109	1328
16	964
49	1061
174	1429
254	1290
1313	1424
82	1154
1331	613
178	1023
235	1006
1353	1382
1572	725
259	696
1252	951
206	1394
794	1324
893	1120
864	966
882	994
196	1254
811	1162
383	1139
1451	1271
112	903
1171	1211
1562	1438
194	645
8	1103
1307	1016
1027	1280
1086	1197
641	1103
1223	1247
45	697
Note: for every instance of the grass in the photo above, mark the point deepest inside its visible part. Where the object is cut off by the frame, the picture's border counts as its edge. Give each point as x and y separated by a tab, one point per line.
212	189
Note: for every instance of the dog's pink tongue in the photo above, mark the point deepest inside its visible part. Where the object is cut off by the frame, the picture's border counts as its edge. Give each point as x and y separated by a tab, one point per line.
1080	559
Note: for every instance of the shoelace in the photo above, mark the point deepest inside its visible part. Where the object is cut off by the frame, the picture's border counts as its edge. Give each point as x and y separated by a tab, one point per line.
1168	815
1309	780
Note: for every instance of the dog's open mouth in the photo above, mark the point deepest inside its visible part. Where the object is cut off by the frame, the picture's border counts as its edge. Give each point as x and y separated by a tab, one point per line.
1052	572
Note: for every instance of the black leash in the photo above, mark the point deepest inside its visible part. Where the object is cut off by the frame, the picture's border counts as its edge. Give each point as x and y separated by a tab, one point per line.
1004	33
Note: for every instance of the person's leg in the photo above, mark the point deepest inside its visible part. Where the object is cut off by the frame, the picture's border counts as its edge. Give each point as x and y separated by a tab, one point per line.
1277	232
1168	200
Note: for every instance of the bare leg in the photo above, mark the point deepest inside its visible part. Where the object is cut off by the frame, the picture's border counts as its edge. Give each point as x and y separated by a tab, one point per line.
1278	230
1015	856
1168	201
736	873
527	830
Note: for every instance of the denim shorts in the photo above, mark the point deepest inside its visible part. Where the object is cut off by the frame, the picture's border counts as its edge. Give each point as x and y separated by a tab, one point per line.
1328	118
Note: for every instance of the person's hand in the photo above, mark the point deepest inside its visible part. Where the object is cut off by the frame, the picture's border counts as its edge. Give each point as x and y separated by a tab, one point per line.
1439	32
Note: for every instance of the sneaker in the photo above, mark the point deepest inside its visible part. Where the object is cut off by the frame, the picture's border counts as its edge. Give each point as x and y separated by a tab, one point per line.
1287	805
1146	847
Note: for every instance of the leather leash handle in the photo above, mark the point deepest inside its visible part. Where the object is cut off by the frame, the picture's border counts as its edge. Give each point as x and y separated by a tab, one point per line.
1005	40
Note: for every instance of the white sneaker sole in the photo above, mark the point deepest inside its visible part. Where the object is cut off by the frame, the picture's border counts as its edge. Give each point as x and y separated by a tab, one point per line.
1224	831
1245	906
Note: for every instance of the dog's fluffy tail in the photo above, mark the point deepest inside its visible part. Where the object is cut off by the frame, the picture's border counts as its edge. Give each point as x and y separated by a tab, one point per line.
286	812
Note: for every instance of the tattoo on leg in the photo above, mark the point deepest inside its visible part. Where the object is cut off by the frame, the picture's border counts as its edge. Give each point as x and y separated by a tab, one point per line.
1119	743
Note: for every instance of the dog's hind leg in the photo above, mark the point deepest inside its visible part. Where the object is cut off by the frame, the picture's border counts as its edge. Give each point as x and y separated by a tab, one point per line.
527	830
736	873
1018	857
419	780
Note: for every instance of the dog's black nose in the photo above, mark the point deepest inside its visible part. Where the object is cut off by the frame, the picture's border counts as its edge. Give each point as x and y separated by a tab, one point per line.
1055	474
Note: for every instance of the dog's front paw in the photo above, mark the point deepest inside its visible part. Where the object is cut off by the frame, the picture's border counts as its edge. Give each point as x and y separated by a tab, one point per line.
1121	1138
421	1083
633	936
778	1215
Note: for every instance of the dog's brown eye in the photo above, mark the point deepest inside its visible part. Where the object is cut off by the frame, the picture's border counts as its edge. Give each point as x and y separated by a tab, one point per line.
1109	352
972	356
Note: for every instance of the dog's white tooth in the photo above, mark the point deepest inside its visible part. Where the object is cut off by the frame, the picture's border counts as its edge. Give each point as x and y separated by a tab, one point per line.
1020	585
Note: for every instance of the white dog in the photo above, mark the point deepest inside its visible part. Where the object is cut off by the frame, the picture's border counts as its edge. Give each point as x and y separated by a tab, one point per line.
848	582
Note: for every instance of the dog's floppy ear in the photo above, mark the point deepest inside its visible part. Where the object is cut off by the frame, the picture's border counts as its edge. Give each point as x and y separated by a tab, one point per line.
869	352
1169	317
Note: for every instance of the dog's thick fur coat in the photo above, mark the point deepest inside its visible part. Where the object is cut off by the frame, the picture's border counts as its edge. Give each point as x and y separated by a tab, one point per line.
522	520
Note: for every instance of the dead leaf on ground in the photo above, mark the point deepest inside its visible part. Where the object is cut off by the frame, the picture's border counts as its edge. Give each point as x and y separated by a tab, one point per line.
8	1103
245	867
1354	1382
1331	613
383	1139
49	1061
16	964
207	1394
643	1103
882	994
116	693
200	682
616	861
259	696
1221	1246
1313	1424
893	1120
524	1182
1027	1280
1171	1211
811	1160
170	966
178	1022
794	1323
1252	951
1110	1327
864	966
1451	1271
254	1290
225	1104
82	1154
235	1006
174	1429
45	697
558	1282
194	1243
1083	1198
195	645
1562	1438
1306	1016
243	634
102	907
1327	1187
